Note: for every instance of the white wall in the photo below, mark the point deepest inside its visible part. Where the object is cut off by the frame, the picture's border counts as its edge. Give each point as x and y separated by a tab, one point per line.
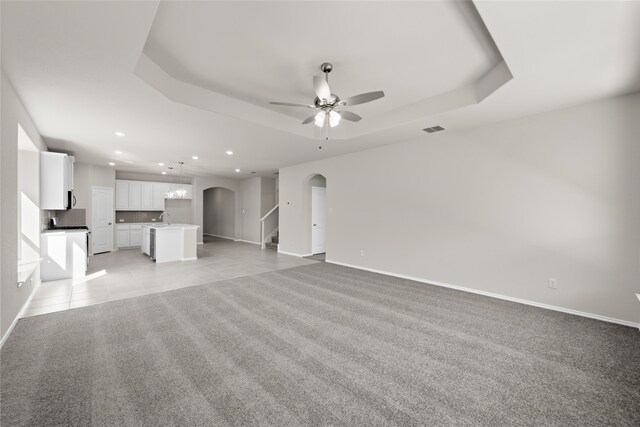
267	195
180	211
219	212
28	199
12	298
200	184
250	191
249	203
498	209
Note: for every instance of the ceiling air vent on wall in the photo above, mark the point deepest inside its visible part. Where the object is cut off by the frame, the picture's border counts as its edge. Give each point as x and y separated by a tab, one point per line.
433	129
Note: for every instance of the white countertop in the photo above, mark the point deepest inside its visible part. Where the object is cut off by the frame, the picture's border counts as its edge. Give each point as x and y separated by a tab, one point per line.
64	231
172	226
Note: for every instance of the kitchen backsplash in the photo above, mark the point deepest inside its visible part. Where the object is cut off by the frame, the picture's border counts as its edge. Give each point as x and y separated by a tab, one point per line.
70	217
45	215
137	216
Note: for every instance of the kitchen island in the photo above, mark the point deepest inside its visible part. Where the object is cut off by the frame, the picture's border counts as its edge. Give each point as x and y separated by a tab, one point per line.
170	242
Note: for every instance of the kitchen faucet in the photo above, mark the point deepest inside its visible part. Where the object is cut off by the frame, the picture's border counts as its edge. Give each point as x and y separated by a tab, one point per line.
162	215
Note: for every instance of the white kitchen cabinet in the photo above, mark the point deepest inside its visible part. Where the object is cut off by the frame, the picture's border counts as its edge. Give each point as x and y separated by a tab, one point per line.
135	195
56	181
64	254
132	236
146	196
122	237
135	238
159	189
122	194
146	241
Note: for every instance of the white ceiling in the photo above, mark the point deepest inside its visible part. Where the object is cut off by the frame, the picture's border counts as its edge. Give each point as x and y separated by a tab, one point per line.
187	78
257	52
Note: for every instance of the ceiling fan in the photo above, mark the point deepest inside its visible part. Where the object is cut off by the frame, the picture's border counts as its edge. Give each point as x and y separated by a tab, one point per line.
330	105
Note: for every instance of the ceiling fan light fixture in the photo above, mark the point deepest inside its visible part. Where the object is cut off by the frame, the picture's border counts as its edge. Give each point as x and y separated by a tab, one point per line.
319	120
334	119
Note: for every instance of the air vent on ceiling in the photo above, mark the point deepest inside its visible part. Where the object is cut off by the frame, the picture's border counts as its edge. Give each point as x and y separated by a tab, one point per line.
433	129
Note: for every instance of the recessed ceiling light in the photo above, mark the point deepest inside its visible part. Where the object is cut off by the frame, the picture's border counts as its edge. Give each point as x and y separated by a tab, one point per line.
111	164
194	157
164	173
229	153
118	152
120	134
237	170
160	164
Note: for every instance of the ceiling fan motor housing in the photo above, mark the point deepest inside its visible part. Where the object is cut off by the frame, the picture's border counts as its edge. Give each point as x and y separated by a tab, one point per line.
328	103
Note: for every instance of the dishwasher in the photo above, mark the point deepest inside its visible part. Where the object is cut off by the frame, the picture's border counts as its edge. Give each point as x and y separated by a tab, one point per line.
152	244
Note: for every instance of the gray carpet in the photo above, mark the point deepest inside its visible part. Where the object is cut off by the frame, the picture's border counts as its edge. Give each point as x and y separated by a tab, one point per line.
319	345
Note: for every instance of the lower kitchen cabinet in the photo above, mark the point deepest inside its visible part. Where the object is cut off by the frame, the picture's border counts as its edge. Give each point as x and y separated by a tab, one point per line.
129	235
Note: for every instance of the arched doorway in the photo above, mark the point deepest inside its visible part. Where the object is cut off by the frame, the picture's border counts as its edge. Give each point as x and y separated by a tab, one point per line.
317	186
218	214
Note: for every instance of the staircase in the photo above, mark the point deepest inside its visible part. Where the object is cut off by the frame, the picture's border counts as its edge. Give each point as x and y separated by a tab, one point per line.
273	244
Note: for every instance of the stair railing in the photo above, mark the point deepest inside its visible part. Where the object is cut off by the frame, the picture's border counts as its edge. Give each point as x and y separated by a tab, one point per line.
268	225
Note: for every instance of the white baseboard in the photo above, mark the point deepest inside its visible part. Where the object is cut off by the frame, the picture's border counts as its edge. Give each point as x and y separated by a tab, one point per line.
231	238
222	237
20	313
292	254
247	241
190	259
494	295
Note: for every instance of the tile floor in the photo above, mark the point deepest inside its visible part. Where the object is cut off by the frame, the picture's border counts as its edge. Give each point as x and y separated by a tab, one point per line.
129	273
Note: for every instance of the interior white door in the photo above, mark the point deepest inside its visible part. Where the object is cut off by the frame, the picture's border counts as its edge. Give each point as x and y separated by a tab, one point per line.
102	221
318	219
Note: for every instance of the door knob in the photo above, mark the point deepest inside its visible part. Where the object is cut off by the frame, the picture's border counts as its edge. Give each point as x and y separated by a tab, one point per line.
314	225
109	224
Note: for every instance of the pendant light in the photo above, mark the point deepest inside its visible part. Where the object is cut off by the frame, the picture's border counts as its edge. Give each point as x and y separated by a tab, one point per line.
181	192
170	194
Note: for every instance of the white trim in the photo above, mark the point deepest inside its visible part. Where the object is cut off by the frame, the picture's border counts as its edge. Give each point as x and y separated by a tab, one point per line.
270	212
20	313
200	243
190	259
493	295
247	241
217	235
292	254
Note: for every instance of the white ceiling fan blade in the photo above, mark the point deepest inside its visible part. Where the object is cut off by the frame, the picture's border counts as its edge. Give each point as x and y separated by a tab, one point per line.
322	87
348	115
362	98
309	119
291	104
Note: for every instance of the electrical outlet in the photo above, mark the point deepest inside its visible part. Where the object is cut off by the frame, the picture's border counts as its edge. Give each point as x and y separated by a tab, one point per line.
362	252
553	283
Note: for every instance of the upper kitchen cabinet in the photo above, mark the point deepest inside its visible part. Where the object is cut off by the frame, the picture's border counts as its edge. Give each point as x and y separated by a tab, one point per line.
135	195
159	190
122	195
145	195
56	181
